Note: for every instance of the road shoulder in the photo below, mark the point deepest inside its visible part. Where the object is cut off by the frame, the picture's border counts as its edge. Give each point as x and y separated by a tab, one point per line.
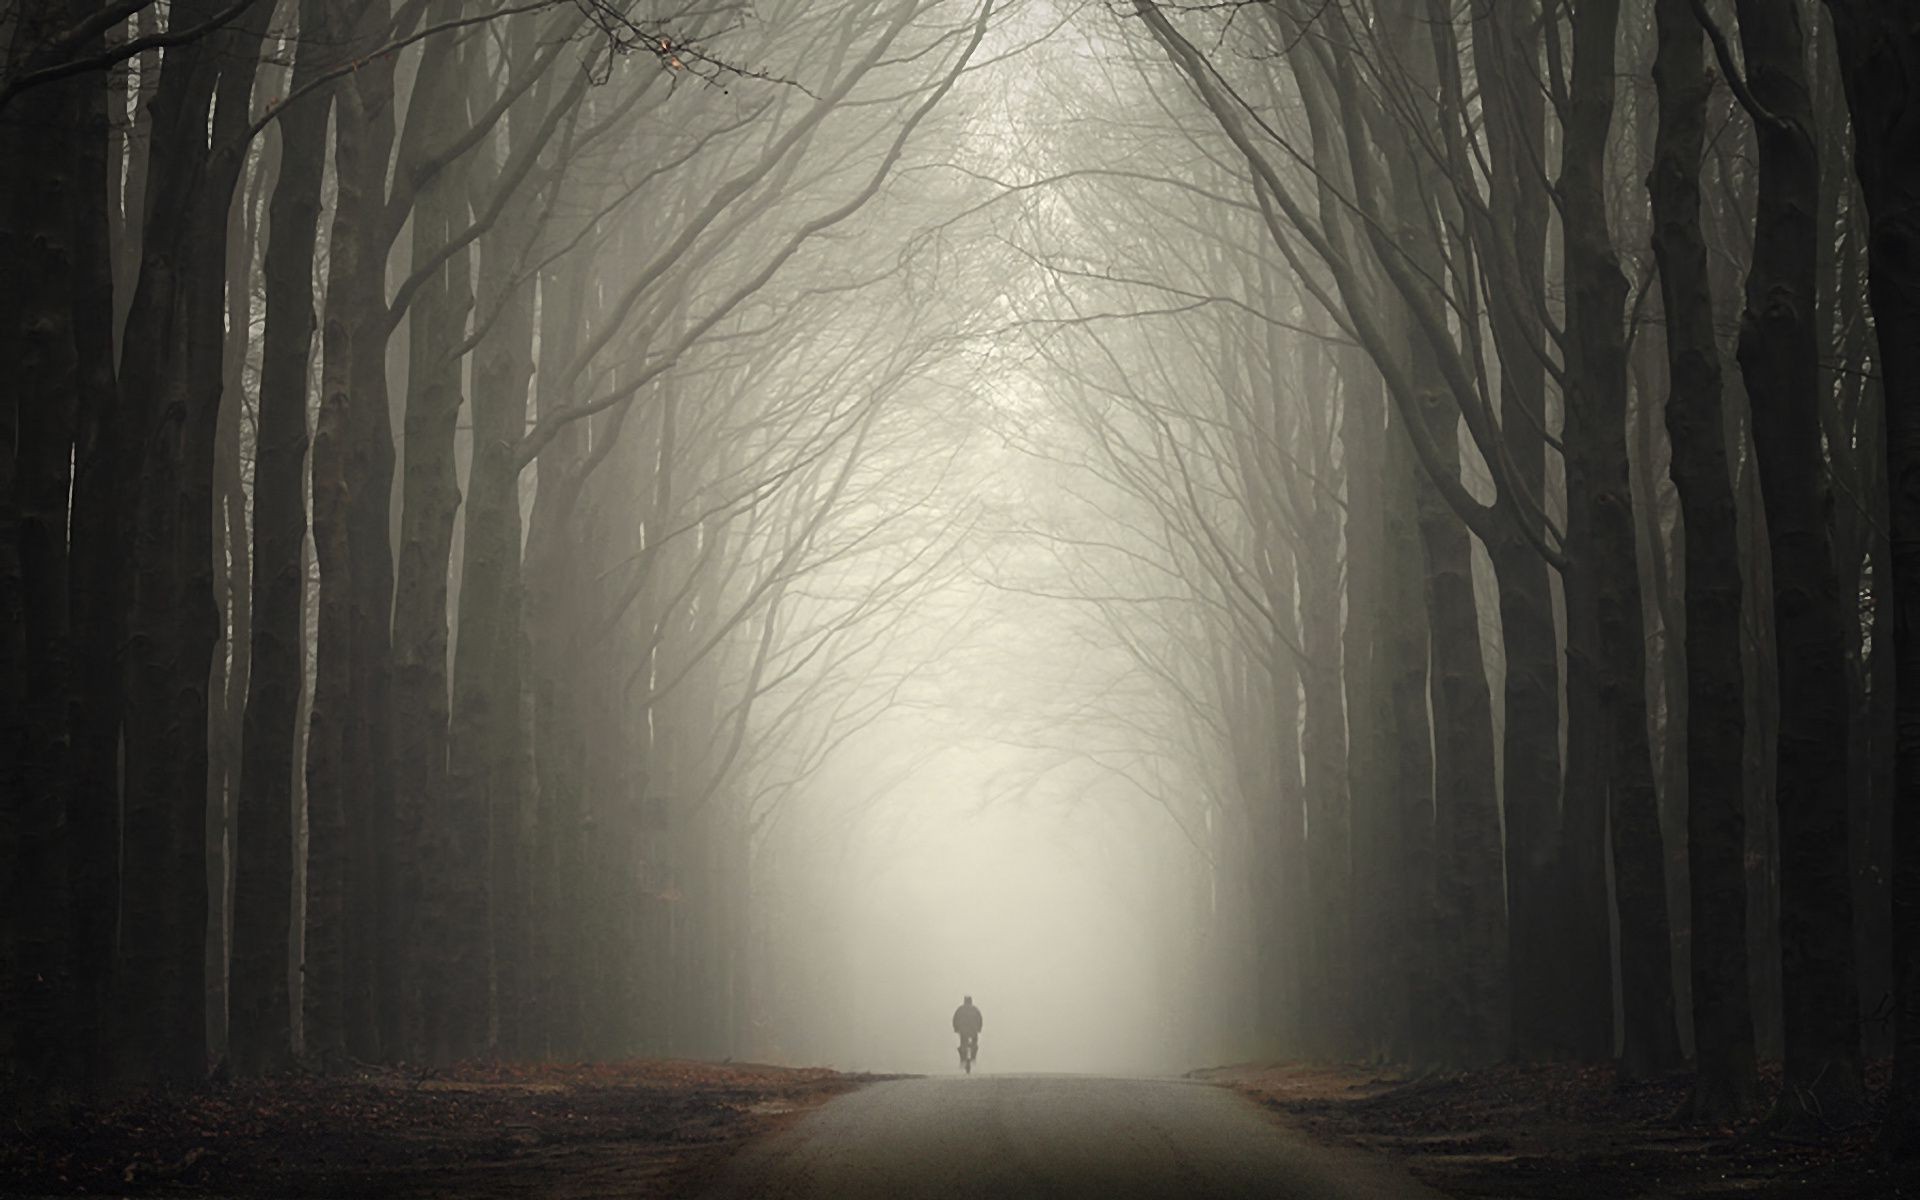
1558	1132
632	1130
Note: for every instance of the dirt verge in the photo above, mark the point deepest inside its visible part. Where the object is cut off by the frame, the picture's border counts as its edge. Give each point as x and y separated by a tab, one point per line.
569	1132
1563	1133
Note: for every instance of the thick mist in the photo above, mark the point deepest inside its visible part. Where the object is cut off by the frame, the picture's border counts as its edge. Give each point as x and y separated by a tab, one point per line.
546	534
1049	909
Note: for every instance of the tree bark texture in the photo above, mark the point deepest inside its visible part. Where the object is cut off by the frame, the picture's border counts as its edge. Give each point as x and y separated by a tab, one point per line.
1779	360
261	1023
350	478
1725	1085
37	337
172	368
1596	436
441	871
1879	44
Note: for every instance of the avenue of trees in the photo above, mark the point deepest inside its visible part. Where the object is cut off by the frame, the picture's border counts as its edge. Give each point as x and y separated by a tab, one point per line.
468	469
1509	410
428	415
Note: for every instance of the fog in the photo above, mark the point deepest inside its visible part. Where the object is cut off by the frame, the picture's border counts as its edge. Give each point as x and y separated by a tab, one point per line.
599	530
1001	830
1029	908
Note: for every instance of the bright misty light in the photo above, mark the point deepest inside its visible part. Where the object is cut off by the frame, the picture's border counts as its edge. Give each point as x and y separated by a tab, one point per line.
1017	906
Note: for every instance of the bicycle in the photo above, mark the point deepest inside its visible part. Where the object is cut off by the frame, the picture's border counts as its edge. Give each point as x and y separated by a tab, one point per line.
969	1049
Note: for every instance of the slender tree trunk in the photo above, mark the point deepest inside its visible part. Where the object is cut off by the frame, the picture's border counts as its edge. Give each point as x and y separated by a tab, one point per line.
1853	433
173	360
1597	442
1372	742
1288	814
233	576
1879	43
1779	359
352	456
261	1034
486	754
98	616
37	339
1546	1016
441	873
1724	1081
374	999
551	629
1407	650
1470	985
1324	732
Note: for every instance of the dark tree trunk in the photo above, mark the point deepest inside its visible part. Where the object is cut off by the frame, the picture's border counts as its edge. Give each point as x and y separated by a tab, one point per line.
1779	359
551	623
1724	1081
95	579
486	753
1548	1019
1329	860
441	856
233	598
1596	438
351	470
1287	813
1372	750
1471	984
1406	651
173	363
1879	43
374	999
261	1029
37	341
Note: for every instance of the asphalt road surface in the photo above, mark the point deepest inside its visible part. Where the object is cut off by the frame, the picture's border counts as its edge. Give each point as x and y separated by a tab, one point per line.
1060	1137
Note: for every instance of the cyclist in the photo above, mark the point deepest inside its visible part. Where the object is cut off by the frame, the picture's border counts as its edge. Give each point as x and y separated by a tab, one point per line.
966	1023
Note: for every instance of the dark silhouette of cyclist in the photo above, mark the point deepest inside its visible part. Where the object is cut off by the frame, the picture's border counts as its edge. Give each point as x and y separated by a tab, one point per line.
966	1023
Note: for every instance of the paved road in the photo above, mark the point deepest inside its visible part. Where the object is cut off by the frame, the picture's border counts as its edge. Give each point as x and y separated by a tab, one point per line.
1060	1137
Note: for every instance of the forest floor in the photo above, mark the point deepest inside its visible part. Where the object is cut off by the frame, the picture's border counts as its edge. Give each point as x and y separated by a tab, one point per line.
1563	1133
632	1130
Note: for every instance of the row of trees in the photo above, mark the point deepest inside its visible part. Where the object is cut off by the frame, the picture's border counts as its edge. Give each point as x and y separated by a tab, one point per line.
1484	430
1497	417
427	419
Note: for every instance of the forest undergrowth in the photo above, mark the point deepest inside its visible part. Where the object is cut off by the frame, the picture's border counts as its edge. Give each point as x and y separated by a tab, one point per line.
482	1132
1569	1132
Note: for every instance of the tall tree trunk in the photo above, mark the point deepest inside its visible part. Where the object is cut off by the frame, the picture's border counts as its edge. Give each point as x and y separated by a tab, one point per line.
441	857
1287	814
374	996
552	629
1596	437
98	616
351	475
37	339
1329	859
1407	652
1879	43
232	576
261	1031
1470	1002
1549	1020
1779	359
486	754
173	360
1853	428
1724	1081
1372	751
1470	985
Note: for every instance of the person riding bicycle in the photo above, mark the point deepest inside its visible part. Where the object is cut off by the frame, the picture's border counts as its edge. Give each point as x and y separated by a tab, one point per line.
966	1023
